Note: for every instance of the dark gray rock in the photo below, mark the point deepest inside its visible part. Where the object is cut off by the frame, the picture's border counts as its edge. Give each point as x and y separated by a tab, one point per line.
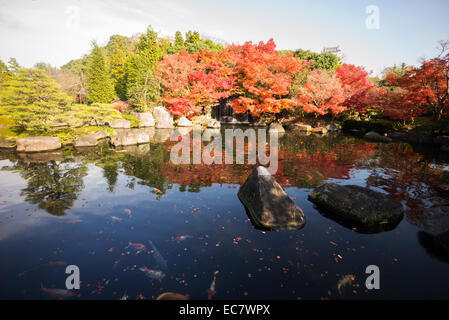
376	137
267	204
357	204
38	144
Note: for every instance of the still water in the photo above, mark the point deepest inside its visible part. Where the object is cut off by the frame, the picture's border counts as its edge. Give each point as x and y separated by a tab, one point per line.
85	207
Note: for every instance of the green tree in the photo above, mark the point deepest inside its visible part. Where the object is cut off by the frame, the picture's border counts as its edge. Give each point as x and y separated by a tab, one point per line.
118	49
178	44
194	43
33	99
14	66
142	86
325	61
99	84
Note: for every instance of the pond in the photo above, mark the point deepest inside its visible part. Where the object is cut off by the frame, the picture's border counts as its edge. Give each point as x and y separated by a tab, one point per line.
101	209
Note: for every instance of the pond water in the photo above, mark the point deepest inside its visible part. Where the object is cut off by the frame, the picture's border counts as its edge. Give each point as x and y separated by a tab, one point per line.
83	208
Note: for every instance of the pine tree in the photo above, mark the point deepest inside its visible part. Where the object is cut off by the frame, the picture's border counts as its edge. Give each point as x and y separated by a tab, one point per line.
118	50
142	87
33	99
178	44
99	85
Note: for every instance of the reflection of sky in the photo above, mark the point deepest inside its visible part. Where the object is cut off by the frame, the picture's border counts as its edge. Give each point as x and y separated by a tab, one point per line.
13	210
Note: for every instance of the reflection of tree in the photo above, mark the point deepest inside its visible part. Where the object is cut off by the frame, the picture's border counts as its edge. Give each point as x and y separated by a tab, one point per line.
410	177
306	161
436	246
52	185
148	168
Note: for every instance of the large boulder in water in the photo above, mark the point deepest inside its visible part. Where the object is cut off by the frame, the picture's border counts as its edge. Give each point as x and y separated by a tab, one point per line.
267	204
356	204
38	144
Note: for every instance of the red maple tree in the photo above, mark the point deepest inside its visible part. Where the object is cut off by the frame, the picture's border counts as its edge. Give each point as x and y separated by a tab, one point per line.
423	89
322	93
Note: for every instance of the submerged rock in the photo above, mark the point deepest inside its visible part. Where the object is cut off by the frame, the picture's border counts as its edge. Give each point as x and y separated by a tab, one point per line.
356	204
131	137
376	137
267	204
38	144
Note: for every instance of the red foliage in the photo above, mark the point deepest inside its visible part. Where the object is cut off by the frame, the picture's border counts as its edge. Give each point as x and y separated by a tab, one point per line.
423	89
121	106
354	81
191	81
322	93
263	77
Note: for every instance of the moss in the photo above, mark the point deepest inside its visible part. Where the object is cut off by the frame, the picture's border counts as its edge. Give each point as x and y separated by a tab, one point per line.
134	122
6	121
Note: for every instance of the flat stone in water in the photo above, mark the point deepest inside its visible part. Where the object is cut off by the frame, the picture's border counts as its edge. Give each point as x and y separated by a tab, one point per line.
357	204
267	204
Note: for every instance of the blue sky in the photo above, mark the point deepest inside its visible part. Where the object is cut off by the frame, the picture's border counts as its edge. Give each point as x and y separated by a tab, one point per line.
56	31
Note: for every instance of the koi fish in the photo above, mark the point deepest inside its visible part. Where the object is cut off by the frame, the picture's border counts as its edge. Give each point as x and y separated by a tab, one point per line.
178	239
136	247
74	221
211	292
114	218
57	293
345	281
162	263
172	296
125	296
49	263
153	274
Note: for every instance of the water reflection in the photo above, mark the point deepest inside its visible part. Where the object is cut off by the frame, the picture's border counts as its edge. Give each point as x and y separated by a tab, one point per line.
54	180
